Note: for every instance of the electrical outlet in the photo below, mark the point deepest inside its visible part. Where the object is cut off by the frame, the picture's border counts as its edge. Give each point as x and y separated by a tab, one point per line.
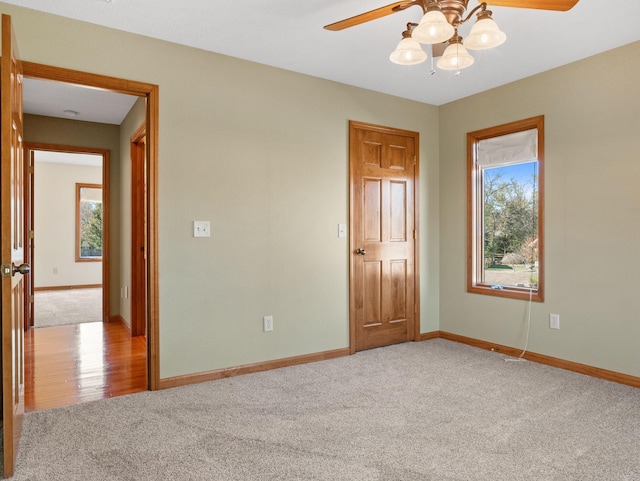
554	321
267	323
201	228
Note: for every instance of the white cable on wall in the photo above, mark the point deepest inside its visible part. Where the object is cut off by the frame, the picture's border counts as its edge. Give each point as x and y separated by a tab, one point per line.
526	344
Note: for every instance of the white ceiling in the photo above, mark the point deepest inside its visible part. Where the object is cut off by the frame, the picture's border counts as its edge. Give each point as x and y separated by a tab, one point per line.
288	34
73	158
57	99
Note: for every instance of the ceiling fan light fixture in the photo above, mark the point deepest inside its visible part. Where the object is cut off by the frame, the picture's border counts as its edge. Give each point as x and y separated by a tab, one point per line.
408	52
455	56
433	27
485	33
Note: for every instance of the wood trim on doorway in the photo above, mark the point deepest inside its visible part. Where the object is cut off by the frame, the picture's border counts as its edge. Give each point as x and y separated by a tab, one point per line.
138	232
151	94
30	148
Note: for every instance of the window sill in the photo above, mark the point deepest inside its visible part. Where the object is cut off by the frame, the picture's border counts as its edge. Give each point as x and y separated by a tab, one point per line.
88	259
510	292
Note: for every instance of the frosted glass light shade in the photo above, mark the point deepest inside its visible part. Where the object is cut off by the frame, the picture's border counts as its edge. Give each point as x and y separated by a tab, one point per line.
485	34
433	28
455	57
408	52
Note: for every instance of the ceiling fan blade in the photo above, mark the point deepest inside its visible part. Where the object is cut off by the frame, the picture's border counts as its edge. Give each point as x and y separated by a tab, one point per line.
559	5
368	16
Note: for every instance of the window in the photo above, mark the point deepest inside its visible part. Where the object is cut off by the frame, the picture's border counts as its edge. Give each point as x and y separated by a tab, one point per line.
88	222
505	194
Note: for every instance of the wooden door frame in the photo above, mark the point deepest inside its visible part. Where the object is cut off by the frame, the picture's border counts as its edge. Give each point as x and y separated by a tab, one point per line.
353	125
151	93
29	149
138	237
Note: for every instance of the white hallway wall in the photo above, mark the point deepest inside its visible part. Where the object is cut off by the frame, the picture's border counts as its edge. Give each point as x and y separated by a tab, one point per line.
55	225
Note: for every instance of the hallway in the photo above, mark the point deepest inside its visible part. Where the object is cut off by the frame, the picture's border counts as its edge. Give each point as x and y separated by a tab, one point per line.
76	363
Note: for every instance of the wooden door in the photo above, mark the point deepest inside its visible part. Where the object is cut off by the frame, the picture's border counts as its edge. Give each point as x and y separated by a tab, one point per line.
383	284
12	246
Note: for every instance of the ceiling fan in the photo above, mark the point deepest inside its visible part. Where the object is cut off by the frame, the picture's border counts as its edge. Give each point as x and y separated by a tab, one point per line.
439	28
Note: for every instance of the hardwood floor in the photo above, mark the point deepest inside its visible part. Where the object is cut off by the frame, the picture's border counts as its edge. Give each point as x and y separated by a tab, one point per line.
71	364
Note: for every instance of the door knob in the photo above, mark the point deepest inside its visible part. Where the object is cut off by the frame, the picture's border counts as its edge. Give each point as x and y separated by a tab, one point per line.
22	269
361	252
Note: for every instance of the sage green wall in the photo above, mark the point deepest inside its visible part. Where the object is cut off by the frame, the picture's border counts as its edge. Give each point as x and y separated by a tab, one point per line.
592	194
50	130
134	119
262	153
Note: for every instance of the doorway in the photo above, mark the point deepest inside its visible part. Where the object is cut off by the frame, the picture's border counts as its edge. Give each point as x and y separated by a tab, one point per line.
384	281
149	95
67	204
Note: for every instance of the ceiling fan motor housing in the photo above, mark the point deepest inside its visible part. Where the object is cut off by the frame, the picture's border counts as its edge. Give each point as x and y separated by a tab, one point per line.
453	10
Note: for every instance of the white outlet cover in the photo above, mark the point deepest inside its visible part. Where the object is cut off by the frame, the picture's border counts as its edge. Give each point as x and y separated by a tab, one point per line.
201	228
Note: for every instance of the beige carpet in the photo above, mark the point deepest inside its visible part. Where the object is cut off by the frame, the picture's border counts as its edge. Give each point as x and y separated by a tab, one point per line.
428	411
67	306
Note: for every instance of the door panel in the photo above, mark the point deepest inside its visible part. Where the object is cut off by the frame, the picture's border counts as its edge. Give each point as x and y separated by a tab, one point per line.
11	246
372	152
382	285
398	287
372	292
398	157
398	212
371	211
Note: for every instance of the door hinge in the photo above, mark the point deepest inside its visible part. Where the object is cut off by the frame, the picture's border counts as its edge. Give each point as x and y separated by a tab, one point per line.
31	234
32	298
415	234
31	169
6	270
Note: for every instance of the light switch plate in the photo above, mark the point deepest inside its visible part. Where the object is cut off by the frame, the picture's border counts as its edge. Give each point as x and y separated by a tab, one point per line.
201	228
342	230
